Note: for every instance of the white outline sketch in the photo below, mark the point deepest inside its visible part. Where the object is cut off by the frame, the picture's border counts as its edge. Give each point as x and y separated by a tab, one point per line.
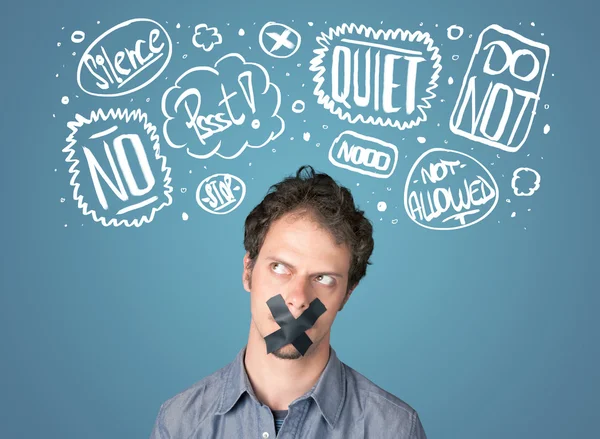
127	116
536	184
110	31
300	103
280	39
215	33
410	178
326	40
460	30
223	190
214	70
348	152
78	36
466	95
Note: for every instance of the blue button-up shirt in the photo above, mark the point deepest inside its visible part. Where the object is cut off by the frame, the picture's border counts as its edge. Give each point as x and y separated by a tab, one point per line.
343	404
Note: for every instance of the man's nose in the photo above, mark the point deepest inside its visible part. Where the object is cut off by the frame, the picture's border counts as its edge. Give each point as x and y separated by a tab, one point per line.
298	296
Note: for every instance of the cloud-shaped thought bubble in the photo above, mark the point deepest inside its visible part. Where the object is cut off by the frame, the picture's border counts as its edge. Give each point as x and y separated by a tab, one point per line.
235	96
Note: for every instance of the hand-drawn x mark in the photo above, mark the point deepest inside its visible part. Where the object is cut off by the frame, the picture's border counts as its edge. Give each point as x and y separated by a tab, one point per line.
292	329
281	40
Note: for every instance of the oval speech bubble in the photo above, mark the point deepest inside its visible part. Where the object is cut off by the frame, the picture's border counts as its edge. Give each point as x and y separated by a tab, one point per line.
116	65
448	190
220	194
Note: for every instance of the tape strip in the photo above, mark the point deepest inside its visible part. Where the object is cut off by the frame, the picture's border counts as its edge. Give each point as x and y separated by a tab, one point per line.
292	329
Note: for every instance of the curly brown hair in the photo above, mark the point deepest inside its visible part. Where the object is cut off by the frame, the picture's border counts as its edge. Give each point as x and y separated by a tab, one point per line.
329	204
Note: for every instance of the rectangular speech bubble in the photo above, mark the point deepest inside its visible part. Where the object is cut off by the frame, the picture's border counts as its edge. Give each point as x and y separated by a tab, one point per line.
501	89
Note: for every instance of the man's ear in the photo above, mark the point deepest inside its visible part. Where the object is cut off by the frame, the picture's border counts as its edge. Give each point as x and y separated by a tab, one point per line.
347	297
246	272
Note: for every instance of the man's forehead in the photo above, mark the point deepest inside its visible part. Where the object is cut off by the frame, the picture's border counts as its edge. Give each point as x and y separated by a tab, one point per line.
296	223
302	240
319	257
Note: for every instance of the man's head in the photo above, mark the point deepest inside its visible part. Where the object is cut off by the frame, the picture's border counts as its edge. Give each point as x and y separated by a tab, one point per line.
305	240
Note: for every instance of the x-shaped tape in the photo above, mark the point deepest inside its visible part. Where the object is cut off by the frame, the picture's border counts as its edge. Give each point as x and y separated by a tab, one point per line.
292	329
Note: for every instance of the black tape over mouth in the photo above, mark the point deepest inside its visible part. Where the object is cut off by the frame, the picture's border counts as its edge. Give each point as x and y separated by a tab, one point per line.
292	330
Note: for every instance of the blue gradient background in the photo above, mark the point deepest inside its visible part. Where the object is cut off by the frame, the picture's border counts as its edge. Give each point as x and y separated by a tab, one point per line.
489	332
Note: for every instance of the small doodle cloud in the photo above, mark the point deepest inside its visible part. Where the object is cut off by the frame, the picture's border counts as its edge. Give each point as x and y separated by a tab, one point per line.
206	38
523	189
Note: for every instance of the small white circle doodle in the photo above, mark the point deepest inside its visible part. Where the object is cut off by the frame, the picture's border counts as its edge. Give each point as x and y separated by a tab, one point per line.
454	57
298	106
455	27
78	36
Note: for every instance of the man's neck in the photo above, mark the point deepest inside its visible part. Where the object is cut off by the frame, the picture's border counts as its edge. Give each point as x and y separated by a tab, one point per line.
277	382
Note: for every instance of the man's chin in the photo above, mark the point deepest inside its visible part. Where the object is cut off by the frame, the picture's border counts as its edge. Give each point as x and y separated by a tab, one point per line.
287	352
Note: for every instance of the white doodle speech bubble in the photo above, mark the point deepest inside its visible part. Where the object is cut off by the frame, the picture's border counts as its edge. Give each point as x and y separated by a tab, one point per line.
516	176
106	74
488	81
108	187
363	154
220	194
246	106
285	40
445	185
356	67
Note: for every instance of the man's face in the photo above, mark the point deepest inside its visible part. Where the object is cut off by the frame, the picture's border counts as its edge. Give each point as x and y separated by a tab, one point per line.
302	262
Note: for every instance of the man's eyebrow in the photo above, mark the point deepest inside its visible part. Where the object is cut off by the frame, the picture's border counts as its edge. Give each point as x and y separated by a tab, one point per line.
320	273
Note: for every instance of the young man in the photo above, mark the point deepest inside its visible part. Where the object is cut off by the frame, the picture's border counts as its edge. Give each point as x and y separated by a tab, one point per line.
307	248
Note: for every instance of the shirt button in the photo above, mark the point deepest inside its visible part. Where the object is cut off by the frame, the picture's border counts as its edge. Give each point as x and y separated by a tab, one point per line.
266	435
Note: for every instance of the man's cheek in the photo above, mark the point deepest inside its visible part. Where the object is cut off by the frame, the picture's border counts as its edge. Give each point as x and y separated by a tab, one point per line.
267	281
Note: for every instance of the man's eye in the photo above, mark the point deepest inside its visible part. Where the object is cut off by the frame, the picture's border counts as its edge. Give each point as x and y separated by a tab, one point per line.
328	280
279	268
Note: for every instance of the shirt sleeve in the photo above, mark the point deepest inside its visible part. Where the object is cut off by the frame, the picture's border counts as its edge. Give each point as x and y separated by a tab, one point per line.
160	431
417	431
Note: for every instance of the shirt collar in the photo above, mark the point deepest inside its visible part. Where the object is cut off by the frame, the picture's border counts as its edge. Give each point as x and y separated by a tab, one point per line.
329	392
